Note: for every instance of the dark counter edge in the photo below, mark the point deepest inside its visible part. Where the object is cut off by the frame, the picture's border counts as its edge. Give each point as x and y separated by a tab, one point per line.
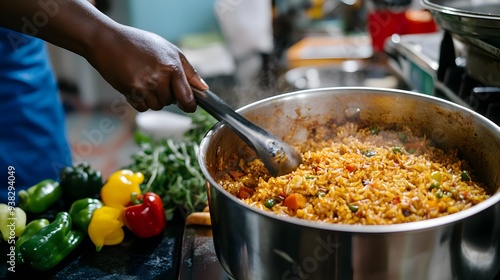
135	258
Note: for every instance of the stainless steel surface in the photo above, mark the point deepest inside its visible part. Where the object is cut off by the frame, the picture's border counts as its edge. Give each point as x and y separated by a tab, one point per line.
415	58
254	244
483	60
423	51
468	73
345	73
278	157
478	18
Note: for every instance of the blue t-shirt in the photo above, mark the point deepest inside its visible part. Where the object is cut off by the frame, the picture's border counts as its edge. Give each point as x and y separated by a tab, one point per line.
33	140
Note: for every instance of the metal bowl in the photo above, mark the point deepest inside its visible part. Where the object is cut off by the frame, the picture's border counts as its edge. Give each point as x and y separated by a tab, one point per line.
255	244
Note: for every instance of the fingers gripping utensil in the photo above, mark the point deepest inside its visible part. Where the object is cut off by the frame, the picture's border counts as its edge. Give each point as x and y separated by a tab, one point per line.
278	157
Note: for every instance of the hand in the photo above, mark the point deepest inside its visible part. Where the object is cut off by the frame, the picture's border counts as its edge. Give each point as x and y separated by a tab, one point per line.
147	69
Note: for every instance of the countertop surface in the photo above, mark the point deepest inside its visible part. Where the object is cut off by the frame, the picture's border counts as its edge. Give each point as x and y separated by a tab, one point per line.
159	257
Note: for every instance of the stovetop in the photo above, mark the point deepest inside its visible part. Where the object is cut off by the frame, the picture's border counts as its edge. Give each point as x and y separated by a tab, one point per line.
436	64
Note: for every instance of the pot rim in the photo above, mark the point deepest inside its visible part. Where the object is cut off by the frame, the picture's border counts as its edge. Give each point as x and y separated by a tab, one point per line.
374	229
438	7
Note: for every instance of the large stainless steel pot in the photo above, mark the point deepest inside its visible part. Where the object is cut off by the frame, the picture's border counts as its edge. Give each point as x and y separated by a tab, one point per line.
466	17
253	244
477	24
476	19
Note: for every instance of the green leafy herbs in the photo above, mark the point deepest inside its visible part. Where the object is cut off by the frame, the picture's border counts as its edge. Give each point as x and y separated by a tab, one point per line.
202	122
171	168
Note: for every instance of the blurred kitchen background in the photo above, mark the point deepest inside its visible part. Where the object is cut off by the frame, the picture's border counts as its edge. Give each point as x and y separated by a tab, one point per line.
245	50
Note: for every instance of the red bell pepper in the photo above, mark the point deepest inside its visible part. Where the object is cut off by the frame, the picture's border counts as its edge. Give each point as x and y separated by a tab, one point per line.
147	217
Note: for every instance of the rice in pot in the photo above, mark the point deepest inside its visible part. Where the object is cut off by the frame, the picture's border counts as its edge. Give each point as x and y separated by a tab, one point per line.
353	174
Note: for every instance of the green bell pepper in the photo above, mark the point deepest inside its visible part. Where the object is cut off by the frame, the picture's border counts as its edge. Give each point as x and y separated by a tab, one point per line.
51	244
40	197
31	228
81	212
80	181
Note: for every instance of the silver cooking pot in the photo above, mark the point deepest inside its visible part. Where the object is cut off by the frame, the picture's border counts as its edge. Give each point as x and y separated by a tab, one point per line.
475	19
477	24
254	244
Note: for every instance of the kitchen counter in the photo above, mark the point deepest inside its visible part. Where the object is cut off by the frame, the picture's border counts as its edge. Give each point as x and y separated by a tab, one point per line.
324	50
198	258
180	252
135	258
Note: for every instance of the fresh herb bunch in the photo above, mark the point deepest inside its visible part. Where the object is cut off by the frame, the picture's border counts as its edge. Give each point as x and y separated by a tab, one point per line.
171	168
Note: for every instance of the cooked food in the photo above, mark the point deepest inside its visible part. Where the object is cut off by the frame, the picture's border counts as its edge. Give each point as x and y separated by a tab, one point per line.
361	174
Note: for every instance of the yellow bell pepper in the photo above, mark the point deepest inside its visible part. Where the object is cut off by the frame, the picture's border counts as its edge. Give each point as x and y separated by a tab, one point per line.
106	227
117	190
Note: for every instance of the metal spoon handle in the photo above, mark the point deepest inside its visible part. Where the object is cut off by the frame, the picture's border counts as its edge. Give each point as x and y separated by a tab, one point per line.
278	157
219	109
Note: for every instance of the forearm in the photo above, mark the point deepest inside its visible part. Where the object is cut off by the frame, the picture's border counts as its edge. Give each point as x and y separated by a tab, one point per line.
147	69
75	25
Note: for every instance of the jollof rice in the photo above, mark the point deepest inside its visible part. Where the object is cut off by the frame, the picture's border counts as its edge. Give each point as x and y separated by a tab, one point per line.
366	175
